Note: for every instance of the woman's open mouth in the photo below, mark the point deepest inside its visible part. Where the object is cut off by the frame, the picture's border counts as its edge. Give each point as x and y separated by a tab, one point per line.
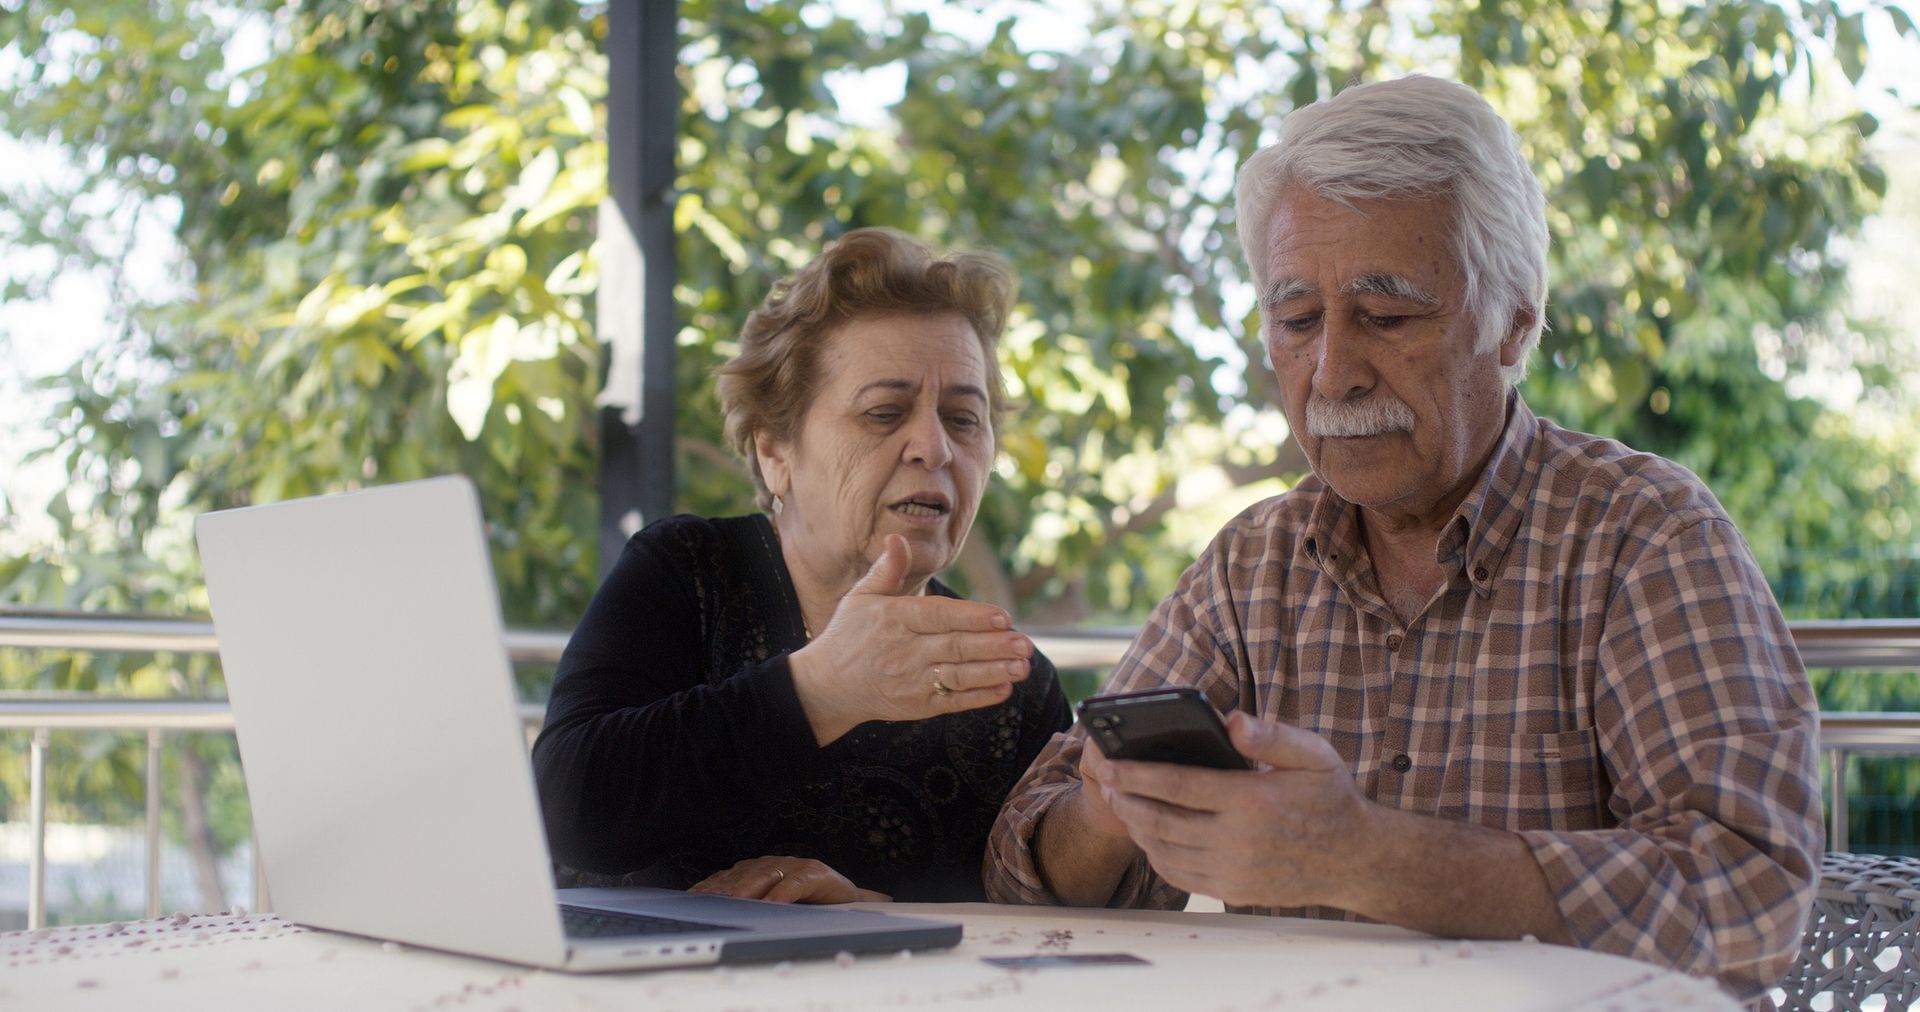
922	508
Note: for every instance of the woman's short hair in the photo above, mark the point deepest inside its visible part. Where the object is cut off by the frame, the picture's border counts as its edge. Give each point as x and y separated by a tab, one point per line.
768	387
1418	137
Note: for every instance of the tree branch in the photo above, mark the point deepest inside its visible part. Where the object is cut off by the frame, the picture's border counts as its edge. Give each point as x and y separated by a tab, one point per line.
696	447
1289	459
1211	307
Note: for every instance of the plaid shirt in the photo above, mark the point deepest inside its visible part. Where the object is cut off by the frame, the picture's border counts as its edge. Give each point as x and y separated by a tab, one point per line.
1605	673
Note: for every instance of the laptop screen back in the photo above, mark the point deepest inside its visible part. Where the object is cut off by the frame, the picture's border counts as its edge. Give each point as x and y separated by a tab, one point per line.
361	640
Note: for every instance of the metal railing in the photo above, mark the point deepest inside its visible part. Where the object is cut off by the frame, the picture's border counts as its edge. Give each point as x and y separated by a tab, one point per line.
65	630
156	717
1884	644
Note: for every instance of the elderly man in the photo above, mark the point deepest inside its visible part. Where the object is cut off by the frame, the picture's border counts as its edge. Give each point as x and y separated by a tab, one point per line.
1498	678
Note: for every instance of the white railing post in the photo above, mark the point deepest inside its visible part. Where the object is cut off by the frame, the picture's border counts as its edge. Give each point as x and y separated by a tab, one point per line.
153	822
37	830
1837	815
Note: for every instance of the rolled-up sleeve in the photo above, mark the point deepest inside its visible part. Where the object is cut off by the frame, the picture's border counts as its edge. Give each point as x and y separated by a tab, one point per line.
1180	644
1012	874
1708	730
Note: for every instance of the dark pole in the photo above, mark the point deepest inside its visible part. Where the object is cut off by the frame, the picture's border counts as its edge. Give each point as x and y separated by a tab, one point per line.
637	268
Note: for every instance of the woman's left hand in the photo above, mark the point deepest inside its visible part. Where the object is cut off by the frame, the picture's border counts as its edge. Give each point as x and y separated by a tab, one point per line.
786	880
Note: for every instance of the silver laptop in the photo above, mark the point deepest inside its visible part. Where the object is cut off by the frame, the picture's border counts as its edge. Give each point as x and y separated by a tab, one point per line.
384	756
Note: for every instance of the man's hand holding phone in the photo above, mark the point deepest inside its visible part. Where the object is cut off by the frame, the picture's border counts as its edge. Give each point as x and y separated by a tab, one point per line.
1291	832
1171	724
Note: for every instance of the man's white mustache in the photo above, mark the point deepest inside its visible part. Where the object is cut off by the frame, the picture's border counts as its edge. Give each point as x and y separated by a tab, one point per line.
1349	419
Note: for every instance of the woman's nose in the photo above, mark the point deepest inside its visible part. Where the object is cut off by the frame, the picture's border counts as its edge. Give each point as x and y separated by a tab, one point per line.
927	441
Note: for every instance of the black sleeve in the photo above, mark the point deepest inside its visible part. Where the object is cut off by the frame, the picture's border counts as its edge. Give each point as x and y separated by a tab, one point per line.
640	754
1053	716
1043	703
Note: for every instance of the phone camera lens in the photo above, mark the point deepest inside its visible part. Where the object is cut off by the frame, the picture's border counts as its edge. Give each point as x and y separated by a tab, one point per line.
1101	723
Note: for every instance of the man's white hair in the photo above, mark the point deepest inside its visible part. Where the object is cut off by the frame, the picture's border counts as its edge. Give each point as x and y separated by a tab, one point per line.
1418	137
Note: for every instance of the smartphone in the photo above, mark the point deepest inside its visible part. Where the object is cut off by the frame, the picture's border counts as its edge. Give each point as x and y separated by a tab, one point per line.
1175	724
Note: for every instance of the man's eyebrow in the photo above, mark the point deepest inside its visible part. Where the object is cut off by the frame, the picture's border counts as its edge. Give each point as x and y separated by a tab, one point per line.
1286	290
1391	286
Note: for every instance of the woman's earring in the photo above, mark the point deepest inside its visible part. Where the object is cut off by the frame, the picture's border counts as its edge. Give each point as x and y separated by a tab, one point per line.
778	506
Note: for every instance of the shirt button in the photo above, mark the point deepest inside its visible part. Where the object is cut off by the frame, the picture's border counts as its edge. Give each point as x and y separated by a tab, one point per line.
1393	642
1401	763
1480	573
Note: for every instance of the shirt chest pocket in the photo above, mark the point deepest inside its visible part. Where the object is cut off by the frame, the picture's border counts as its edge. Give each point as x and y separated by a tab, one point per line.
1533	781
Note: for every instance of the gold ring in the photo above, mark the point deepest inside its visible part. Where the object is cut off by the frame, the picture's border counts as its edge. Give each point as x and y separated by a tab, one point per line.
938	685
782	873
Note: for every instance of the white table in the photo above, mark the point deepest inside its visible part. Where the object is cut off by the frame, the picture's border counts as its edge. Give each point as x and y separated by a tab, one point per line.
1200	962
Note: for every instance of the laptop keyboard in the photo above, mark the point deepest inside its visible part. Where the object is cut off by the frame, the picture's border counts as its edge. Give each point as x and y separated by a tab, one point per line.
583	922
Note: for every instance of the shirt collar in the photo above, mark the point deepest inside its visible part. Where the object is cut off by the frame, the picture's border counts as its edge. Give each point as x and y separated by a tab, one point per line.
1483	525
1332	531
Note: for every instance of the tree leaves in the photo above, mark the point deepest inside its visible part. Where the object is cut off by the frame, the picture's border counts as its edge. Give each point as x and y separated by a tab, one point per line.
390	230
1850	45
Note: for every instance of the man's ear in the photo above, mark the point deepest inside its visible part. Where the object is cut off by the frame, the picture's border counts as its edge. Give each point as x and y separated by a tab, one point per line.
775	464
1513	346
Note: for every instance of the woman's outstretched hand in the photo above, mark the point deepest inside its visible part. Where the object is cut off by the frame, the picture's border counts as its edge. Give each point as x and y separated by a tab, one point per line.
888	655
786	880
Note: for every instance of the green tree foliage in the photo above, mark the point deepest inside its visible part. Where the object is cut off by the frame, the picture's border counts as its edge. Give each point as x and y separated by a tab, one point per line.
387	266
387	233
385	229
1703	164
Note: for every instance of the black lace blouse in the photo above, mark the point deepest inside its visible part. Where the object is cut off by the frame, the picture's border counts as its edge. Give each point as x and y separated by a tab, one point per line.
675	745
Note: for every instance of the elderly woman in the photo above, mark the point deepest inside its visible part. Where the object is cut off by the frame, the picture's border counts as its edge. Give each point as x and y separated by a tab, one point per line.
792	708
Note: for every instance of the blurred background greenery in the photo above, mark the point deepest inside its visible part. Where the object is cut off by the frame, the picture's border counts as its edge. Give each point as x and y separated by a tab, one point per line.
378	261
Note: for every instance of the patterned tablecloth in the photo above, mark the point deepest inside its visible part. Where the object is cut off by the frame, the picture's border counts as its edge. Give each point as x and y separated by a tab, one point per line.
1198	963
